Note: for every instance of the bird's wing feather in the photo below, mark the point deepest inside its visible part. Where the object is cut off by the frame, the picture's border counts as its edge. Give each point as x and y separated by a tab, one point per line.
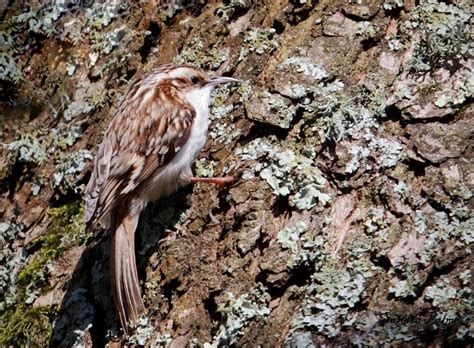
139	149
97	180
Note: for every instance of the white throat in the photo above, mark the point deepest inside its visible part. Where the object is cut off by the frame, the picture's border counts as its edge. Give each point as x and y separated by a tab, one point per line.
200	99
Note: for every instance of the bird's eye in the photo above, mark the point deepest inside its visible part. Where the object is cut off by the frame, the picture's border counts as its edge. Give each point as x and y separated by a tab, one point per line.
194	79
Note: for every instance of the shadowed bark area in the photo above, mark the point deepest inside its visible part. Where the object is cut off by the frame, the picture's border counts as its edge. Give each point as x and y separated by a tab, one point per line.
351	221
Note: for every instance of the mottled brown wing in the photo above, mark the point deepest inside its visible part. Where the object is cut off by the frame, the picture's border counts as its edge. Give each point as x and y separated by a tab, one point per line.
97	180
149	128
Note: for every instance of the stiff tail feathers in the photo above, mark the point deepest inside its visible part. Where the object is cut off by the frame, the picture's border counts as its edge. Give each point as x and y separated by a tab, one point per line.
125	282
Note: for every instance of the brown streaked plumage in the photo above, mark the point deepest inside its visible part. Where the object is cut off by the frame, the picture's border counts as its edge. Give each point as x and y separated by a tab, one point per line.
158	128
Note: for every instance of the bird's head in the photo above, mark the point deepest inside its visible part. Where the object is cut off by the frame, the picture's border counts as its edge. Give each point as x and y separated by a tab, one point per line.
190	79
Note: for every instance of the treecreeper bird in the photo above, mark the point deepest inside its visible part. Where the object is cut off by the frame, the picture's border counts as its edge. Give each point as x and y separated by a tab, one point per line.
158	129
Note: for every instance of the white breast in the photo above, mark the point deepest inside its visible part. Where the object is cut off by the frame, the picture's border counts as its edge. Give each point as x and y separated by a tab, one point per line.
199	99
167	181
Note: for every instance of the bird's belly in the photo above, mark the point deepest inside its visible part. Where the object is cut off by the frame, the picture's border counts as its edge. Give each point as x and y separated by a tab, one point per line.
168	180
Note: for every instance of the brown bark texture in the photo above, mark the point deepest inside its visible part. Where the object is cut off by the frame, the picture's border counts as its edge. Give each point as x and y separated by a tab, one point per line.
350	223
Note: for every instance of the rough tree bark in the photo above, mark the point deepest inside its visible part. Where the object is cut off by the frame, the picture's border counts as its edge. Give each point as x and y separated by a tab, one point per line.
350	224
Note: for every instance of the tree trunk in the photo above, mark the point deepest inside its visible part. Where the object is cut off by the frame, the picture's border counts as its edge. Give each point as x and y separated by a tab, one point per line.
351	221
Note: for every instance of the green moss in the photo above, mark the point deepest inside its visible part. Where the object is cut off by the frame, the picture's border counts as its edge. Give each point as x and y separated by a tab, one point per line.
26	327
22	325
65	231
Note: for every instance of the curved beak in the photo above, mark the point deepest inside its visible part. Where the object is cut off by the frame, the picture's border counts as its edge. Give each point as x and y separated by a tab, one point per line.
217	80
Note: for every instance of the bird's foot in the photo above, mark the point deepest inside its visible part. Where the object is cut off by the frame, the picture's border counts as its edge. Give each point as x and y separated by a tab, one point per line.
219	181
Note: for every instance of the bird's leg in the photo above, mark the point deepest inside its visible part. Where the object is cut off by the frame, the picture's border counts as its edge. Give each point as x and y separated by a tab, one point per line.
219	181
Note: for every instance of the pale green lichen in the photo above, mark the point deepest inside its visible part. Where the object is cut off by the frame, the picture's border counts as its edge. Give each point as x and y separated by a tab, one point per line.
219	102
260	41
205	167
64	137
335	287
406	280
387	151
451	303
298	91
465	333
105	43
70	69
445	29
11	263
465	277
39	19
303	244
245	91
116	64
27	149
227	9
289	236
300	340
445	228
286	173
305	66
367	30
382	329
75	109
406	287
102	14
390	5
68	165
196	54
401	188
142	332
238	312
271	108
333	292
308	196
462	90
37	147
331	110
36	185
442	101
358	153
278	106
9	70
395	45
375	220
222	128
